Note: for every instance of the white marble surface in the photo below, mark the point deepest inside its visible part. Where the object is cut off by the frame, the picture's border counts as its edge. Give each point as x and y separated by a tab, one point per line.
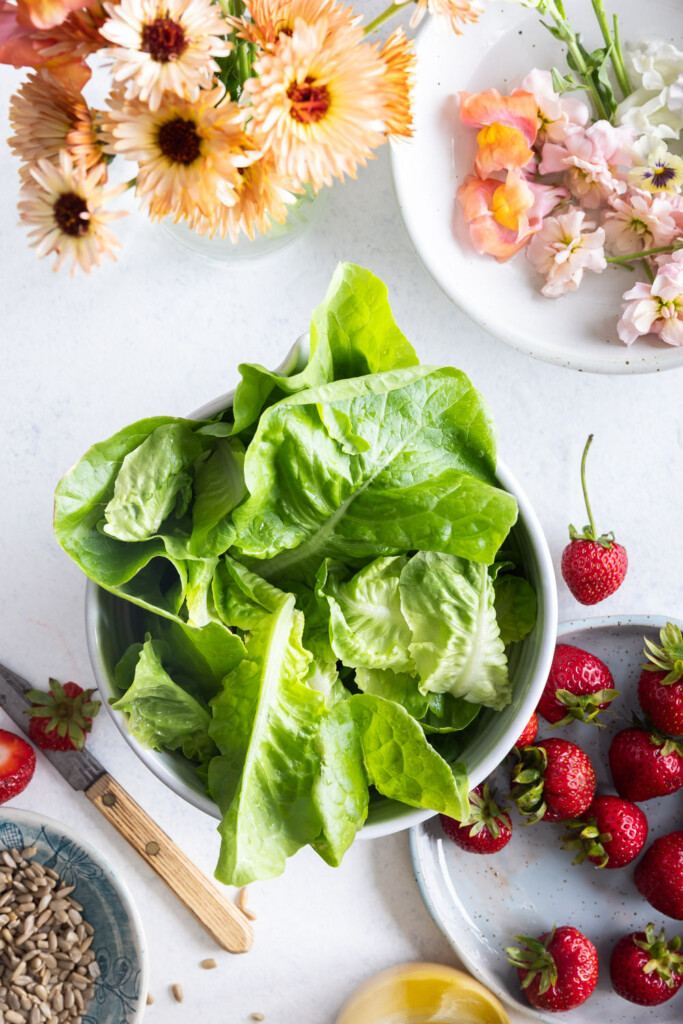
162	332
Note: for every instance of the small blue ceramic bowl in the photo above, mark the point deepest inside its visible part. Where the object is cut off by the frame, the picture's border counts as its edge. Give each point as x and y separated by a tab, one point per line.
119	945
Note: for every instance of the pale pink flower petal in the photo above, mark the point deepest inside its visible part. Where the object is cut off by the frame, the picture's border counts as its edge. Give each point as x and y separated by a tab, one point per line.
655	308
564	248
557	115
595	160
639	221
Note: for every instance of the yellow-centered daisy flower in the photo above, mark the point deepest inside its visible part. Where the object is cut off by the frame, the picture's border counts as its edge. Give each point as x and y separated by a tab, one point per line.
271	18
456	12
398	83
263	197
164	46
189	155
318	102
48	116
65	207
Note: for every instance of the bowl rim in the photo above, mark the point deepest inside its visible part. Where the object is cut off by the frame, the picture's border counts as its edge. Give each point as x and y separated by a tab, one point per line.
411	816
34	818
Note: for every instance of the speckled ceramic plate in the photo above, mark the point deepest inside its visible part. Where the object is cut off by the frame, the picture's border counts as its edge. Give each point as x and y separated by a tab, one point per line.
482	902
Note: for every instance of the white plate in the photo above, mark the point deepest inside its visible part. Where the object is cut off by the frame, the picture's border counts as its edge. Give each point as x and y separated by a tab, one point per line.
578	330
481	903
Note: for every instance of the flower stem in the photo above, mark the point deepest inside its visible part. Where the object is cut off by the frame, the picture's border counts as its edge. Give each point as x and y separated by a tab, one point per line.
622	76
615	54
641	255
648	271
585	489
391	10
568	36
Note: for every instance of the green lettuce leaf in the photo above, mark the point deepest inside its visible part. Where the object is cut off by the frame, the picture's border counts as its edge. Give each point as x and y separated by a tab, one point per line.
401	764
456	645
401	687
515	603
448	714
340	791
218	489
373	466
161	715
265	723
353	332
367	627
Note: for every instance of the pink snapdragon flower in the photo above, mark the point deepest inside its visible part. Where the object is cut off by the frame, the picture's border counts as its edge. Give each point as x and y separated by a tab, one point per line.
557	115
655	308
639	221
594	161
564	248
502	216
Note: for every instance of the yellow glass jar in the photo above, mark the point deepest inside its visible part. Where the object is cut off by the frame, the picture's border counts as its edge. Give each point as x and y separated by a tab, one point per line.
423	994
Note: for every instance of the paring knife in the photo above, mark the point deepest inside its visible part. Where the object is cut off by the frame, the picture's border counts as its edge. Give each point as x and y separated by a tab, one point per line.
227	925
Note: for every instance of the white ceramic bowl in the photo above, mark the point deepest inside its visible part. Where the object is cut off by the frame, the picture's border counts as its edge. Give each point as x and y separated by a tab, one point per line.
578	330
110	629
119	942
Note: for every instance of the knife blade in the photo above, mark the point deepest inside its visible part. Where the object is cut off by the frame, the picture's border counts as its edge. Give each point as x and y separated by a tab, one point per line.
227	925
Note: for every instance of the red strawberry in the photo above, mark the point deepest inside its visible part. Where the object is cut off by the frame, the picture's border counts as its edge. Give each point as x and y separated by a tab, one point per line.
611	833
593	566
553	780
659	875
61	717
558	971
646	969
17	764
487	830
530	732
645	765
660	687
578	687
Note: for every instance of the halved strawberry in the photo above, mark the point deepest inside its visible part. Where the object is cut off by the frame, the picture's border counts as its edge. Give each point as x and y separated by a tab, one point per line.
17	764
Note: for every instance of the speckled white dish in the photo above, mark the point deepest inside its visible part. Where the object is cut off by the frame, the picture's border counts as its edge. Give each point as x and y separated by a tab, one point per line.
482	902
579	330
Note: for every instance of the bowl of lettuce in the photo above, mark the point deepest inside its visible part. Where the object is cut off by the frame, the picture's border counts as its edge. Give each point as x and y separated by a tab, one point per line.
319	607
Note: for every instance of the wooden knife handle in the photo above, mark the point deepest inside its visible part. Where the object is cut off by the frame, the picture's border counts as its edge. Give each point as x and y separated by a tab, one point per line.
224	922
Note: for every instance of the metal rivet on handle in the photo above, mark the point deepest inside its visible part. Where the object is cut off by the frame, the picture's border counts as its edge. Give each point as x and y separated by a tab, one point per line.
152	848
108	799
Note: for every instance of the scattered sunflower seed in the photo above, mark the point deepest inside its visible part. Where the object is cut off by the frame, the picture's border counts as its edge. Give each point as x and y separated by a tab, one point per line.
208	964
177	991
257	1016
150	998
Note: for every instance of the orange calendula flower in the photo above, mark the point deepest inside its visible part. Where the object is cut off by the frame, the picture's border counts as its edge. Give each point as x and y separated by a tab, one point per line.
398	55
47	14
501	148
318	102
264	197
456	12
502	216
65	207
165	45
190	154
487	108
272	18
48	117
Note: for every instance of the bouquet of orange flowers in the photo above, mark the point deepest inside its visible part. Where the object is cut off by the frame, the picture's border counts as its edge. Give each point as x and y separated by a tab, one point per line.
228	112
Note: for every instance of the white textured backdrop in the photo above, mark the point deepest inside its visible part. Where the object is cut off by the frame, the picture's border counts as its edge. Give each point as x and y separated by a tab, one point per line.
162	332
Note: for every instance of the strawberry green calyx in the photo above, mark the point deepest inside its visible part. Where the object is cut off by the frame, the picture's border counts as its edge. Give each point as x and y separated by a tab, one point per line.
668	744
664	956
69	715
588	843
605	540
667	658
584	708
527	778
485	813
534	957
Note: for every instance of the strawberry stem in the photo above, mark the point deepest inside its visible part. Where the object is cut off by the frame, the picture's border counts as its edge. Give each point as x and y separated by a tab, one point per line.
585	489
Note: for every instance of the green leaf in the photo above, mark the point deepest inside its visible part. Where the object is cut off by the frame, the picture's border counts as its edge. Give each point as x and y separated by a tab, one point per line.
353	333
367	626
401	764
218	488
515	605
340	792
162	715
456	645
241	597
448	714
426	479
400	687
149	482
265	723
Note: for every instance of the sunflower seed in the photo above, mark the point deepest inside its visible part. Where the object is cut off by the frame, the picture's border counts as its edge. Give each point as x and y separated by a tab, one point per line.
177	991
208	964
